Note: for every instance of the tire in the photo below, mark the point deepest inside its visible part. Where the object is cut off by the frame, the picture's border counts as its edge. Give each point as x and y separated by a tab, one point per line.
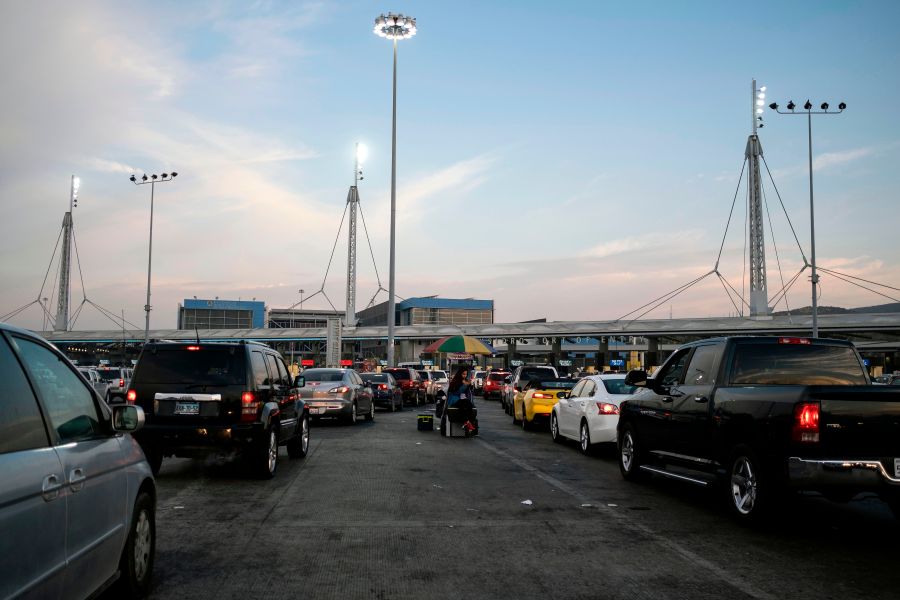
154	458
394	404
630	455
400	405
526	426
554	429
893	502
136	563
749	492
370	416
512	412
351	420
443	426
264	461
298	446
584	438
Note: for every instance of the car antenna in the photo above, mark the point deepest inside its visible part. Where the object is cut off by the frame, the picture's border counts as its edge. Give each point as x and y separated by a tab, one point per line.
197	332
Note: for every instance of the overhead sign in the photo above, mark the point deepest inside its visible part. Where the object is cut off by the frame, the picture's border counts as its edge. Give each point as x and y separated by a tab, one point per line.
346	362
616	362
427	363
307	362
382	362
104	361
459	356
565	363
516	363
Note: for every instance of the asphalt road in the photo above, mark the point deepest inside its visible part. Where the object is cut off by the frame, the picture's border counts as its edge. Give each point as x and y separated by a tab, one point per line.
381	510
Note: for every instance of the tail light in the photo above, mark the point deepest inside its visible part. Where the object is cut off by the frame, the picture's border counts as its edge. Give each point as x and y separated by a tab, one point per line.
795	340
605	408
193	347
131	396
121	383
542	395
339	390
806	423
382	386
249	406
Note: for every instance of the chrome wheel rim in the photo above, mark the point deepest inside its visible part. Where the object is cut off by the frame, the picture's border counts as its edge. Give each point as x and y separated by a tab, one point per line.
554	427
143	542
627	452
353	413
304	435
584	437
743	485
524	423
273	451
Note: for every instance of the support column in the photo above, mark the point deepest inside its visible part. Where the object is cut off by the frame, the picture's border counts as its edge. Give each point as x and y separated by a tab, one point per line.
406	351
651	356
556	350
602	353
510	353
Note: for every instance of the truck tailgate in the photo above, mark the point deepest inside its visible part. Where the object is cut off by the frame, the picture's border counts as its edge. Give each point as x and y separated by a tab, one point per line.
859	421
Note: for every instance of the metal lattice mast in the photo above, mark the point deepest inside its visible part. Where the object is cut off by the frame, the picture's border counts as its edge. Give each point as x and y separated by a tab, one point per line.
758	288
65	266
353	201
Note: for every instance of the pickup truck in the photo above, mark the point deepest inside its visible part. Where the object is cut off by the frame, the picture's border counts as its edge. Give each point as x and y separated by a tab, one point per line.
762	416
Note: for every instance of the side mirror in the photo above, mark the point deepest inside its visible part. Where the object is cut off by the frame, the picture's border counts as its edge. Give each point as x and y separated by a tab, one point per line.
562	395
300	381
636	378
367	384
507	380
127	417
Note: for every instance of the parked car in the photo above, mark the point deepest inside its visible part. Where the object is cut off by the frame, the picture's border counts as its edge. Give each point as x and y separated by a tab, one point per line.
538	400
590	413
495	384
338	393
410	385
522	375
98	383
118	379
385	391
213	397
765	415
77	499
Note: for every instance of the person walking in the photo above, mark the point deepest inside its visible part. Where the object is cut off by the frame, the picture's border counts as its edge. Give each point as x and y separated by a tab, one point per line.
459	397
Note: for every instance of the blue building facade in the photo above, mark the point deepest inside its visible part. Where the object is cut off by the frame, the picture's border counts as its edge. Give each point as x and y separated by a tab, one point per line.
221	314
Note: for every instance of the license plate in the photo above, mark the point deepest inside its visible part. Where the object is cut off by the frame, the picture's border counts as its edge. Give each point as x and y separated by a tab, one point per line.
187	408
315	410
897	467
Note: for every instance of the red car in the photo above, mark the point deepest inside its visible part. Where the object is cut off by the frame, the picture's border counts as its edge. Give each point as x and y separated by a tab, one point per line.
410	384
494	384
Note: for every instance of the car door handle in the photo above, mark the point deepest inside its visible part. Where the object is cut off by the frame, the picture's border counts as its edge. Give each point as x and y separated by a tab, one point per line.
701	399
76	479
667	399
50	487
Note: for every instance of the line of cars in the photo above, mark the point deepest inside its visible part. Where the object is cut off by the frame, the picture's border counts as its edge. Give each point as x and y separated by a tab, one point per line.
752	417
110	382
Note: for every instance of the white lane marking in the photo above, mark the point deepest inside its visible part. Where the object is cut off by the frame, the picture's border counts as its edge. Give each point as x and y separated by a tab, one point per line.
691	557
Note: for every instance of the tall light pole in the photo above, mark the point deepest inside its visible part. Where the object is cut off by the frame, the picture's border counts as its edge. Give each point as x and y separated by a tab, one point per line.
152	180
809	112
393	27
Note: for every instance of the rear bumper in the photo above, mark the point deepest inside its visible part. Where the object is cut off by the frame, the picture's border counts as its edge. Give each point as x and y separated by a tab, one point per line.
863	474
190	440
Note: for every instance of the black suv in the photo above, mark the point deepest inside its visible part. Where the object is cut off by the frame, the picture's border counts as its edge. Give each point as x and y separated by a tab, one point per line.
200	398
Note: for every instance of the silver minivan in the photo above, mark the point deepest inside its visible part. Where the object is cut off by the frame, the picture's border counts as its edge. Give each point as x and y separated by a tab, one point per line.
77	498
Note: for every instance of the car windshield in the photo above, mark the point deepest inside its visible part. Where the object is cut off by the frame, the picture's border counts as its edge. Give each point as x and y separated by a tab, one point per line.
323	375
618	386
374	377
210	365
535	373
498	376
398	373
423	374
440	374
553	384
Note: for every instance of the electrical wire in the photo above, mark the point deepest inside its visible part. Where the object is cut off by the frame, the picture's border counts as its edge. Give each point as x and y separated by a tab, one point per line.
731	212
772	179
775	245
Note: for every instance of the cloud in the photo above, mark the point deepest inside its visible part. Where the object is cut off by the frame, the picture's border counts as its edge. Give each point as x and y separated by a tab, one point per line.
833	159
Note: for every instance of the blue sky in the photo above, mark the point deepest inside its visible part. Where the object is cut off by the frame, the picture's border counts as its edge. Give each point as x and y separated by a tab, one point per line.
570	161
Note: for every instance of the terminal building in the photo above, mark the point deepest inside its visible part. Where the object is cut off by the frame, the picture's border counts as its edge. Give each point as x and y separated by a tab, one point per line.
431	310
221	314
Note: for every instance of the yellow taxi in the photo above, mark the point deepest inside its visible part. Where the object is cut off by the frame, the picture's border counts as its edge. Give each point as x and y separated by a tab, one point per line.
534	402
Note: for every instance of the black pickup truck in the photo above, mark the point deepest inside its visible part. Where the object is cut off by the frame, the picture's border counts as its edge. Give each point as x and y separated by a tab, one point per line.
762	416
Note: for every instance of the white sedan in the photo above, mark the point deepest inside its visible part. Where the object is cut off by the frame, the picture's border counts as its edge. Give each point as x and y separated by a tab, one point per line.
591	412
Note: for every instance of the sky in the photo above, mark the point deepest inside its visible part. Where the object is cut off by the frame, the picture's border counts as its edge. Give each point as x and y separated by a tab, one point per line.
572	160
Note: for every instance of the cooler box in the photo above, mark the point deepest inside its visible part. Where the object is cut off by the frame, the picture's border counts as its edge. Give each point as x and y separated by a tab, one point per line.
426	422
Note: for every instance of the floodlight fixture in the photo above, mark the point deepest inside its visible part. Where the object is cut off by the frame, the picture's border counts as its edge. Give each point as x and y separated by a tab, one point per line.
808	105
774	106
842	105
174	174
791	105
133	179
824	106
144	178
362	153
395	26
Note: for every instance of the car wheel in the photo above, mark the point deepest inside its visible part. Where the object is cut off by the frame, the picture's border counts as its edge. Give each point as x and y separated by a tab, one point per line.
393	404
370	416
525	424
136	563
554	429
154	458
400	404
352	418
584	438
515	419
750	494
630	455
265	459
298	447
893	502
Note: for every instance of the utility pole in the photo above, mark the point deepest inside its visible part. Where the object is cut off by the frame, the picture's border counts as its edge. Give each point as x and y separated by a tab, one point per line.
759	303
65	265
353	201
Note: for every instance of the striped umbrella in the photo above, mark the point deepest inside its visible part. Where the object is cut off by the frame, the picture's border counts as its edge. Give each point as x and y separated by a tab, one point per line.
461	344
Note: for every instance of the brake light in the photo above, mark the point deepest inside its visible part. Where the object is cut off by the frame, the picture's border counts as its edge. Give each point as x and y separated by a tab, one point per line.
382	386
806	423
339	390
605	408
121	383
249	406
542	395
193	347
795	340
131	396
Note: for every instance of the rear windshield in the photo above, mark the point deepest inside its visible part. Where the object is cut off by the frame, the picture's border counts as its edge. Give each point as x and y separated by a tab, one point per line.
535	373
110	374
209	365
795	364
374	377
323	375
553	384
423	374
618	386
498	376
440	374
398	373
